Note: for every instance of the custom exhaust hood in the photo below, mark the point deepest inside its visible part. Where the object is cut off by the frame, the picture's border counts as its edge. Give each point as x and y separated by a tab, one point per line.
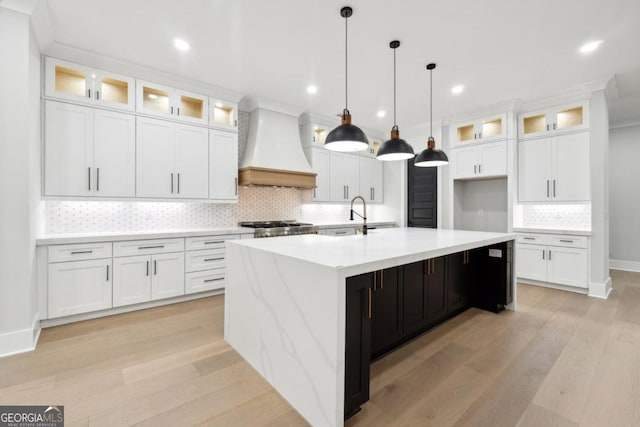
274	154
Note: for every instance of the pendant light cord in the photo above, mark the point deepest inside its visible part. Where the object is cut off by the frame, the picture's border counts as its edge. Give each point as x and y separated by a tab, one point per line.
395	125
431	103
346	66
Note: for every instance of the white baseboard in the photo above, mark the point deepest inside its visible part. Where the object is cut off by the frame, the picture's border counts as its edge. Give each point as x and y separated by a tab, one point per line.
619	264
21	341
553	286
601	290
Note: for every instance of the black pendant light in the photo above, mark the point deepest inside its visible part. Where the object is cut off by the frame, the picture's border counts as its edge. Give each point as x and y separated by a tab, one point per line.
346	137
395	148
431	156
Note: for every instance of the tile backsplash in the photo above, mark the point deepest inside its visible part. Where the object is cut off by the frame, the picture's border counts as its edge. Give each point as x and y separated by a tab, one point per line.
254	204
573	217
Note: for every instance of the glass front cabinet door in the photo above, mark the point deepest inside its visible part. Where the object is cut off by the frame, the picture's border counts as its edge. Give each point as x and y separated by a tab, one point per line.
164	101
66	80
481	130
562	119
223	114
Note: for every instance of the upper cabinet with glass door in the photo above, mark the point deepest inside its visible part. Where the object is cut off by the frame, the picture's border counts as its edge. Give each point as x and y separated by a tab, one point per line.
73	82
481	130
164	101
223	114
562	119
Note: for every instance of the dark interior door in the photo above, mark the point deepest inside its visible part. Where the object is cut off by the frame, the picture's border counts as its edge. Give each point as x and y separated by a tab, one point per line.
423	196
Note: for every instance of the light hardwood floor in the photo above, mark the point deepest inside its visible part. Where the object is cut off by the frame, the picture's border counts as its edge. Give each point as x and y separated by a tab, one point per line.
561	360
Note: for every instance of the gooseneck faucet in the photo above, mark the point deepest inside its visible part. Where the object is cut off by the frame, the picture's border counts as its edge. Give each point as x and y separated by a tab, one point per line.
364	213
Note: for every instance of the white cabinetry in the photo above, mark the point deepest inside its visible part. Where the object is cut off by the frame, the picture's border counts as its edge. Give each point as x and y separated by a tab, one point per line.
481	130
79	83
319	158
555	120
479	161
164	101
172	160
223	114
345	177
152	272
554	168
223	165
205	263
88	151
558	259
371	179
82	282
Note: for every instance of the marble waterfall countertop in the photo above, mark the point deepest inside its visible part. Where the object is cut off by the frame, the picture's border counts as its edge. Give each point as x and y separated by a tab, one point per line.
381	248
285	304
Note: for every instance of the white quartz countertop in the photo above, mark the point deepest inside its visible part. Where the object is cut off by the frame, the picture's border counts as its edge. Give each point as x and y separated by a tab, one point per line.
563	231
379	249
50	239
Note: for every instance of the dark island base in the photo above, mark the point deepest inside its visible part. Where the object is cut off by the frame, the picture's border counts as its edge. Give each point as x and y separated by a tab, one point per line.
388	308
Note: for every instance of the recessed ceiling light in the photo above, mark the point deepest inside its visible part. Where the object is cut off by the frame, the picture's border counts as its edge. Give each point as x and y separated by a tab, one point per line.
381	113
457	89
181	44
152	96
312	89
591	46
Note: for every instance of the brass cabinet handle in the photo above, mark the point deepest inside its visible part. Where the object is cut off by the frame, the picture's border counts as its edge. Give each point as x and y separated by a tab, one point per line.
369	309
375	280
381	279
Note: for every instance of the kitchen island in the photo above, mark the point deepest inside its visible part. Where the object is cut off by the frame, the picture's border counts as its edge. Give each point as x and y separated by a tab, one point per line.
300	309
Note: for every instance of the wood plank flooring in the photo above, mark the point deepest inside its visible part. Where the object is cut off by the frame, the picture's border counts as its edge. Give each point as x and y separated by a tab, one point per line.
561	360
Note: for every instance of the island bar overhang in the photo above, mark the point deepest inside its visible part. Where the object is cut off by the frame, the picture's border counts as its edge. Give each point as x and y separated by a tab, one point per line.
285	304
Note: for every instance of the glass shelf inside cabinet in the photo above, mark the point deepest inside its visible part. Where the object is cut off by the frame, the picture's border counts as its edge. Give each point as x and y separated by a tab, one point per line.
319	135
569	118
113	90
223	114
491	128
70	81
155	99
191	107
533	124
465	133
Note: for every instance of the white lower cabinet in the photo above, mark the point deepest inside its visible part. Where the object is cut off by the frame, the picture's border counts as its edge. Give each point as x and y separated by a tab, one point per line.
79	287
561	260
131	280
145	278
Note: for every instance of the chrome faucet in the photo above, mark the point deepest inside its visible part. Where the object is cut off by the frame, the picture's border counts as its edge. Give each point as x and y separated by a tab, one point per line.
364	213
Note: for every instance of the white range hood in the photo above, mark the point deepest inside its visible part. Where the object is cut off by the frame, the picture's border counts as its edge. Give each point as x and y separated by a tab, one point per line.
274	154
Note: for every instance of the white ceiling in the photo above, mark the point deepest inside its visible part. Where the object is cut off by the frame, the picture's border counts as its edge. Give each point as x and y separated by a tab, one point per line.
501	50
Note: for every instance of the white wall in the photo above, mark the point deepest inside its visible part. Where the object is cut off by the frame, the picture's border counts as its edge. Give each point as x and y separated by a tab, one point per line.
624	196
481	205
600	282
19	181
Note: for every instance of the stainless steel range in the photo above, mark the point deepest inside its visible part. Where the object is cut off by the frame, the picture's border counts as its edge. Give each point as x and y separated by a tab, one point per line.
279	228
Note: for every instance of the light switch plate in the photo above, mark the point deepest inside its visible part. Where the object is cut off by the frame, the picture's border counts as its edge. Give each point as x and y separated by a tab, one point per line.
495	253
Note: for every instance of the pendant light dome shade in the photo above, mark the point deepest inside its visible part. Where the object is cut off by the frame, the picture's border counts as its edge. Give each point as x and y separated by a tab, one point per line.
395	148
346	137
431	156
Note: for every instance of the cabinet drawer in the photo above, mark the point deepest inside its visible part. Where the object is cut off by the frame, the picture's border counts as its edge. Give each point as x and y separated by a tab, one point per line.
203	281
147	247
568	241
347	231
81	251
534	239
204	260
208	242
